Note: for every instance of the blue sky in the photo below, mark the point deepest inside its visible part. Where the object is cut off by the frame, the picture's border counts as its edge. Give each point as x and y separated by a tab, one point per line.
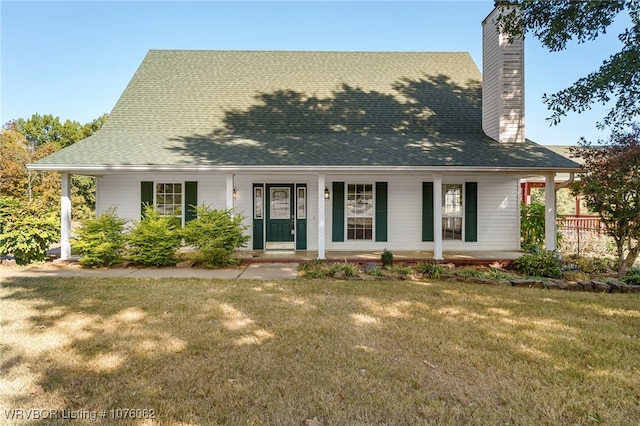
73	59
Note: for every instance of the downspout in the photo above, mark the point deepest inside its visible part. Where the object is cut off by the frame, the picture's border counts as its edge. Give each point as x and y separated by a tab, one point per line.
566	183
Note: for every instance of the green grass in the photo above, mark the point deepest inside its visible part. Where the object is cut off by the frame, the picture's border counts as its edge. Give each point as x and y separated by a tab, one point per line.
207	352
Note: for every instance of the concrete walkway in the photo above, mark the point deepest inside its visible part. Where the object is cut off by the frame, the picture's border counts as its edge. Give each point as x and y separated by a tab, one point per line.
255	271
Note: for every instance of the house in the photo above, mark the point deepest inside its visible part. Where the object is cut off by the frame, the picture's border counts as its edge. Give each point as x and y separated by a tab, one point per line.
357	151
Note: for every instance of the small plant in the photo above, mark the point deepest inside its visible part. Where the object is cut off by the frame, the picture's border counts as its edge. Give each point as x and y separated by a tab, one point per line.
400	269
386	258
431	270
349	269
154	240
215	234
100	241
468	273
541	264
314	269
497	274
375	272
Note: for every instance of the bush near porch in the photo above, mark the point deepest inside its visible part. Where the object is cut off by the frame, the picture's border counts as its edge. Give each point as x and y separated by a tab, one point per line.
156	239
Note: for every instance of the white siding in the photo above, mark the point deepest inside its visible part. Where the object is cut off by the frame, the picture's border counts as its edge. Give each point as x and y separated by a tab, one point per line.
122	191
498	219
498	216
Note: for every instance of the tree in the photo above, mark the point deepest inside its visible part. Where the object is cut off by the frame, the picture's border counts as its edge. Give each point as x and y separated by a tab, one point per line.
41	129
610	185
25	141
15	154
555	23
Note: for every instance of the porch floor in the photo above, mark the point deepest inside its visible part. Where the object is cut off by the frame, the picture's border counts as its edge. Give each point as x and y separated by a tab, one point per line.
458	257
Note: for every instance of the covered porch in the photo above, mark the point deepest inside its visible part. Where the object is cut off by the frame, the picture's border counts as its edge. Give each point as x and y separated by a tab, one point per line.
459	258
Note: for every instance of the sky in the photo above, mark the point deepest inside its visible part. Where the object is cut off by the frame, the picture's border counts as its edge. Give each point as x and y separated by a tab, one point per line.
74	59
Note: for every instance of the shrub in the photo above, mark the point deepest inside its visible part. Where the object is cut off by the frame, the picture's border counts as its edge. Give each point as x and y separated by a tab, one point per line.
532	229
632	276
594	264
400	269
314	269
154	240
100	241
544	263
27	229
215	234
386	258
431	270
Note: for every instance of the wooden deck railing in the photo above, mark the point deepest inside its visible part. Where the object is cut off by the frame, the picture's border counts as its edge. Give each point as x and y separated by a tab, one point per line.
582	223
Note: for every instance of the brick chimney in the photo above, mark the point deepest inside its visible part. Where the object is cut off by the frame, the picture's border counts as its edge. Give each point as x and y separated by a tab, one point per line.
502	82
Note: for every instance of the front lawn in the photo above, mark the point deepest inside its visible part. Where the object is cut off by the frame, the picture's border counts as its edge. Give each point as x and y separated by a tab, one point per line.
238	352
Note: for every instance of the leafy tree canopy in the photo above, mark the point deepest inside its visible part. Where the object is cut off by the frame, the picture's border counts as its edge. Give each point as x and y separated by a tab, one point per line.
610	185
42	129
25	141
556	22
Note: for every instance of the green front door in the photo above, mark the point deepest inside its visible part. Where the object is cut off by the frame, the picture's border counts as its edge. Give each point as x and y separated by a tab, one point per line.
280	215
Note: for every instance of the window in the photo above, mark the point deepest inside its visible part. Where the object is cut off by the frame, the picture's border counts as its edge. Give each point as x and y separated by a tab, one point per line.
360	212
301	202
169	199
258	202
451	212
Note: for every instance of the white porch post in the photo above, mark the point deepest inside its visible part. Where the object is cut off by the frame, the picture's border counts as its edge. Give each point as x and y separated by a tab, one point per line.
321	216
230	191
65	216
437	217
550	230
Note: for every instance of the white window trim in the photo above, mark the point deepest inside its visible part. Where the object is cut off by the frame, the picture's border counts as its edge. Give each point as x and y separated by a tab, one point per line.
462	214
182	195
347	217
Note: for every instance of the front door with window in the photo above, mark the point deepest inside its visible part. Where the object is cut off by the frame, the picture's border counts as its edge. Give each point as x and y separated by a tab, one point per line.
280	217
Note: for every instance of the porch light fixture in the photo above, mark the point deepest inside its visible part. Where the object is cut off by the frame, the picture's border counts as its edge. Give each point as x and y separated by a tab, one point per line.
235	194
327	194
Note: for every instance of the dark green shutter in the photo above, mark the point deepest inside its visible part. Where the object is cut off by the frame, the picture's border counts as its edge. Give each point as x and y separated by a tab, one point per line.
190	200
337	233
471	211
427	211
146	196
381	211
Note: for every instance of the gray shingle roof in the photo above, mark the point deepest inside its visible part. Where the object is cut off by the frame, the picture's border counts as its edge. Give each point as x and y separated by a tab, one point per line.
265	108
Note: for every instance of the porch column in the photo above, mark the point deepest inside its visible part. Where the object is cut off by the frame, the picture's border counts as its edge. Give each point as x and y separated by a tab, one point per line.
550	231
321	216
230	191
437	217
65	216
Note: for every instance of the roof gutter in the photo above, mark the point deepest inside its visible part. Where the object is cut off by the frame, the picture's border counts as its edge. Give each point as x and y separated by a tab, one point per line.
101	169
